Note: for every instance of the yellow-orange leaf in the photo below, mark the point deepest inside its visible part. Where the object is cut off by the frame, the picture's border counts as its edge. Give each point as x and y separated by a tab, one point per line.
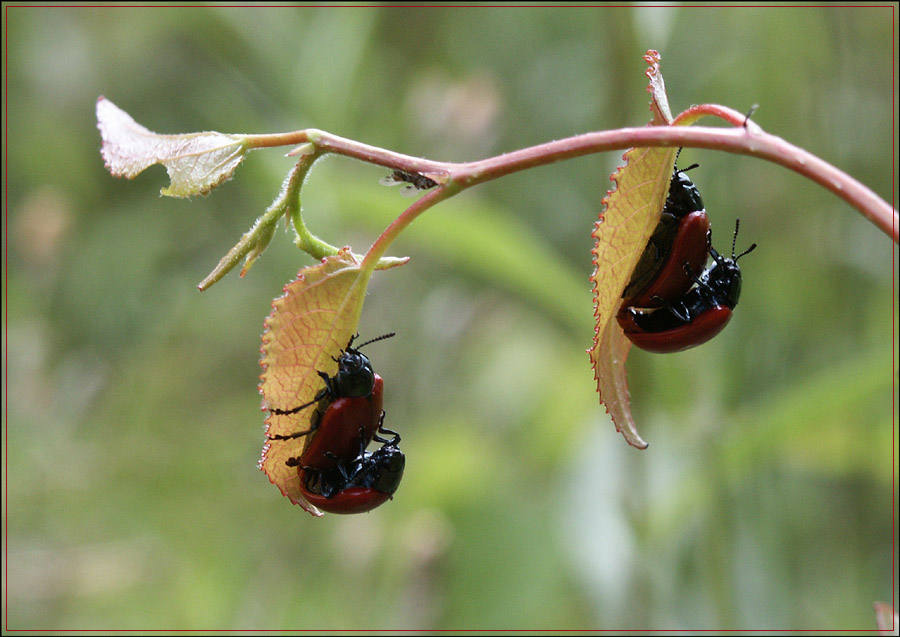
621	234
308	327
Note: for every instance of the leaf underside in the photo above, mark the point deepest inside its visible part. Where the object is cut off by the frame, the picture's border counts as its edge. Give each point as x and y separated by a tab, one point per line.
196	162
308	327
621	233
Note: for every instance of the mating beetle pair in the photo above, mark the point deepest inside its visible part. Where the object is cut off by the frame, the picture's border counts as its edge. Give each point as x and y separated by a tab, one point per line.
367	482
661	310
336	472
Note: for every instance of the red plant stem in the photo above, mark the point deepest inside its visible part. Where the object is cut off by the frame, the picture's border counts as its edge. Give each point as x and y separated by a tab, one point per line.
379	248
350	148
740	140
716	110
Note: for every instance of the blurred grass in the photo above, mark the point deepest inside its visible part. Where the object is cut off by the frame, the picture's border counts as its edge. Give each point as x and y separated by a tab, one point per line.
767	499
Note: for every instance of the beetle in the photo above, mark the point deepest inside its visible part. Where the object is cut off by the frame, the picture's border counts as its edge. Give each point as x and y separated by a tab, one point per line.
355	378
340	428
368	481
681	236
700	314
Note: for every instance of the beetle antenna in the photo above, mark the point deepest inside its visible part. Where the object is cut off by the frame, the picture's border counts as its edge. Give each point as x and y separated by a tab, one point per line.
375	340
737	225
747	251
683	170
353	337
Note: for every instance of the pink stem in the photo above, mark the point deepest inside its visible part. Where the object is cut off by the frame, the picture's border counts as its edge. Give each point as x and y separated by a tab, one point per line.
749	140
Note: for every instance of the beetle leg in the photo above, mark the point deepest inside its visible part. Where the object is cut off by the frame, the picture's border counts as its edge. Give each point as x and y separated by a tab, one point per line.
317	398
287	412
315	425
382	429
299	434
681	311
691	273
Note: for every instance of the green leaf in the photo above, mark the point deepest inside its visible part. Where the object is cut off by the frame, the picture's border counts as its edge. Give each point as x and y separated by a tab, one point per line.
251	245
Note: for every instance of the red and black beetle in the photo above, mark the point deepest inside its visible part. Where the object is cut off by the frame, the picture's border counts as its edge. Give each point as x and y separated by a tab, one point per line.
340	428
366	482
681	236
354	379
697	316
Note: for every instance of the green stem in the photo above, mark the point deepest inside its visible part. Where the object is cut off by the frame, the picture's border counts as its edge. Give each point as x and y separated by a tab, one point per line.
304	239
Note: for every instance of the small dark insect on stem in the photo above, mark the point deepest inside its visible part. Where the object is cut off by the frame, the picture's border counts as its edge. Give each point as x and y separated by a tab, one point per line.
421	182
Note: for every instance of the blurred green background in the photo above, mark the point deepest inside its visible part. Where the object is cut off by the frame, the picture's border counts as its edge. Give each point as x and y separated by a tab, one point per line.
767	499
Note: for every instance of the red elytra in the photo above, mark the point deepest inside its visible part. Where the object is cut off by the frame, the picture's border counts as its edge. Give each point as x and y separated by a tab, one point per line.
702	328
346	501
691	246
696	317
359	484
681	236
337	435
